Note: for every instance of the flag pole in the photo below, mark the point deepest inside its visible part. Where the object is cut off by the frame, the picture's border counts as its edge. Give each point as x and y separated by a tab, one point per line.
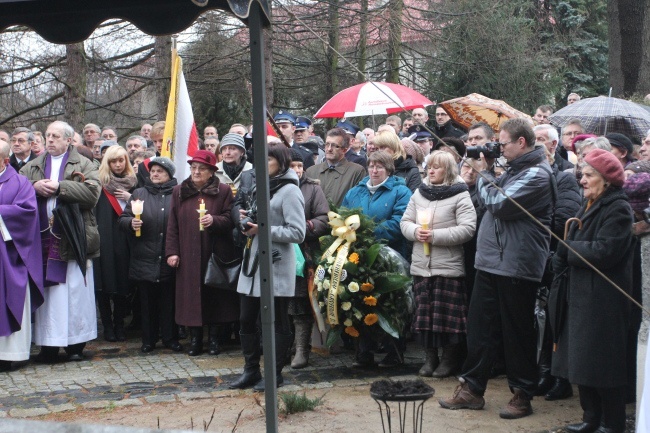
170	119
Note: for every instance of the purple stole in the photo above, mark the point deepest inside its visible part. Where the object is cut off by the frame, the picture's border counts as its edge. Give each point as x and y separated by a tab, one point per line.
54	268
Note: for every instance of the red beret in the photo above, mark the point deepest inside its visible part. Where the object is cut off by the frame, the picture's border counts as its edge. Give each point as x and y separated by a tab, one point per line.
607	165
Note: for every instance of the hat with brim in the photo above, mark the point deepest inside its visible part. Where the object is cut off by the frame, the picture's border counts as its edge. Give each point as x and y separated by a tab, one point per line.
204	157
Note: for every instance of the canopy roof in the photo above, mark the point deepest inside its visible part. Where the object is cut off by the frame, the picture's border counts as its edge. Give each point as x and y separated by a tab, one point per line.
68	21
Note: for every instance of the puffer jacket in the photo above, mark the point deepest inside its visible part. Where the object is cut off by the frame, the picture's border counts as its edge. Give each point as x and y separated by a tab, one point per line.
386	206
407	169
453	221
148	261
509	243
72	190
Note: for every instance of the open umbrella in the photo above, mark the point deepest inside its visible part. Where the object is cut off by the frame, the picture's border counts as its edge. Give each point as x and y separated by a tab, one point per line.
372	98
69	218
602	115
475	108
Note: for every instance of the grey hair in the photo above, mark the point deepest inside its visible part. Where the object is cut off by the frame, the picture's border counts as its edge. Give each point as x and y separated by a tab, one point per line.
20	129
361	137
68	131
598	143
143	141
4	149
550	131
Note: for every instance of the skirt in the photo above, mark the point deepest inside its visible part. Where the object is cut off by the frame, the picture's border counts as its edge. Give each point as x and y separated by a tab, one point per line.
440	305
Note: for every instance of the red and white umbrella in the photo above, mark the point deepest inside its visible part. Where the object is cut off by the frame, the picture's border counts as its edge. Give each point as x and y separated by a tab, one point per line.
372	98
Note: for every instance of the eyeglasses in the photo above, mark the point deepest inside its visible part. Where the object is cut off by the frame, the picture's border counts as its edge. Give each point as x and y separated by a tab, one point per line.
18	140
376	167
507	142
441	114
336	146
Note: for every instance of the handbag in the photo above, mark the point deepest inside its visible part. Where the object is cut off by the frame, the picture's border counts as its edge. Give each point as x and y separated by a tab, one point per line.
222	275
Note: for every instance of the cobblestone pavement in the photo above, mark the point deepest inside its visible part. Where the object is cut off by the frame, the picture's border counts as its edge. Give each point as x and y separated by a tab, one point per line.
118	374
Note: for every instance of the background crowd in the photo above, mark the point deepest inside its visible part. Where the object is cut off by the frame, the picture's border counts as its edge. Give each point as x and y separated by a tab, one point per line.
88	222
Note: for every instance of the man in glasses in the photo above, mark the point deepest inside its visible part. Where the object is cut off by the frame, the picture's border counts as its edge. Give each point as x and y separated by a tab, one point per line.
91	133
21	146
570	131
336	174
444	128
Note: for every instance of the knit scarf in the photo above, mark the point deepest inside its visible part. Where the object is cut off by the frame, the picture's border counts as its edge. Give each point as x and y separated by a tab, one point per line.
125	183
233	170
434	193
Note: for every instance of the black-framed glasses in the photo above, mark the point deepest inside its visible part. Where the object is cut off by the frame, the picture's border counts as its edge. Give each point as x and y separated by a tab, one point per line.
336	146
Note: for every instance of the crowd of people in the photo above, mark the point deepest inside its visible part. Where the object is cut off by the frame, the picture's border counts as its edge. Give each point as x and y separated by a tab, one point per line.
86	222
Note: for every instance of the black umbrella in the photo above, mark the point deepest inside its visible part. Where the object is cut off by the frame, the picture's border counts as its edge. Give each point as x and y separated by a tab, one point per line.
71	221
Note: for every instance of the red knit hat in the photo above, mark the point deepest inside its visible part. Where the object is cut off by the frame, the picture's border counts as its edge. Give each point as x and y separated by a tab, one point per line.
607	165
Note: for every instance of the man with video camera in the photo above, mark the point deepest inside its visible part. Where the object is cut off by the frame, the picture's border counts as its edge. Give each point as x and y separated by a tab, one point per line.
511	256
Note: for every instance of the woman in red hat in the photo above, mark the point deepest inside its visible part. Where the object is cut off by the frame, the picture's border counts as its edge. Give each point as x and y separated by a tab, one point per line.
189	249
597	319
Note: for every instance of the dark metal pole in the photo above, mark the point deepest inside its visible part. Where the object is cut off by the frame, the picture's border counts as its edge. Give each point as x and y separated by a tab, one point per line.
264	230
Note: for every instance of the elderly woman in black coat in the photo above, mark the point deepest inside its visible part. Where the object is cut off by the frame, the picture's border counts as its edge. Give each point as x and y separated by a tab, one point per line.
598	315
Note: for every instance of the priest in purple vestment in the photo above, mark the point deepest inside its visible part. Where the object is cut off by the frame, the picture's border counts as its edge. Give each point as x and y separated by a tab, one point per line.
21	272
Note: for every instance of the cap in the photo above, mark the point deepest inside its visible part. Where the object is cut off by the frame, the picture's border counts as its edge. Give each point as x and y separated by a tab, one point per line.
302	123
107	143
622	142
165	163
607	165
284	117
311	145
232	139
420	132
204	157
637	188
639	166
349	127
296	156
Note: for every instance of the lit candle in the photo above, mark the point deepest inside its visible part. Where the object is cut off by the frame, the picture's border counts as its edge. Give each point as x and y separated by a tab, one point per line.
201	212
424	216
137	207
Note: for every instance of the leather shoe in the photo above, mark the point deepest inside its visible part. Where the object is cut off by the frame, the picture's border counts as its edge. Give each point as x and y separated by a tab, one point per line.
146	348
561	390
76	357
603	429
109	335
582	427
544	385
174	345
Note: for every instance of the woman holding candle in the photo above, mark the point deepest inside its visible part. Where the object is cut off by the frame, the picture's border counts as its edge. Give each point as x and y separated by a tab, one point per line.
200	224
439	219
383	196
118	181
145	220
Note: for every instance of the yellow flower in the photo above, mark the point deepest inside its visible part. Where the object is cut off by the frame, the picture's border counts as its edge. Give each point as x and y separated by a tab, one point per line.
370	300
347	322
352	331
367	287
354	258
370	319
345	306
353	287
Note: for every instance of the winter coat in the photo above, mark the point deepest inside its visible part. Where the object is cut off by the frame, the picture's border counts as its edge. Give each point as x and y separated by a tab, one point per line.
148	261
115	251
337	182
316	209
598	315
453	221
408	170
287	224
386	206
71	190
568	202
446	130
509	243
197	304
360	159
225	179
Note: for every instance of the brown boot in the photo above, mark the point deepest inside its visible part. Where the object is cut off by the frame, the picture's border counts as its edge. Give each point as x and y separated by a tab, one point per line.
430	363
463	398
449	363
518	406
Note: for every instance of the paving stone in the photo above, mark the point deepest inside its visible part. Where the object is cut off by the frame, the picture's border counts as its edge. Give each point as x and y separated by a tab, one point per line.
128	402
193	395
27	413
349	382
3	414
97	404
319	385
160	398
62	408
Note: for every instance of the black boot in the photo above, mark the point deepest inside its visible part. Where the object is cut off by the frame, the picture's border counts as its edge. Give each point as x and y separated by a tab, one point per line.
282	344
449	362
196	341
106	316
250	345
546	381
5	366
213	340
182	332
561	390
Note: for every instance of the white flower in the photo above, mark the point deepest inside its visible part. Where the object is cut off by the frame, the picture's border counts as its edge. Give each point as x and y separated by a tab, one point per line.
321	304
330	260
353	287
347	322
358	314
340	289
344	275
326	284
319	286
346	306
320	272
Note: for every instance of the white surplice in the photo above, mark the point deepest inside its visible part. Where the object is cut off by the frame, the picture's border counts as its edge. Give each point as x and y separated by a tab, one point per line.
15	347
68	314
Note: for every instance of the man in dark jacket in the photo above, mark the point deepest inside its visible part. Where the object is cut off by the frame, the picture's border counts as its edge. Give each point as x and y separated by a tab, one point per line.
548	136
511	255
444	127
21	146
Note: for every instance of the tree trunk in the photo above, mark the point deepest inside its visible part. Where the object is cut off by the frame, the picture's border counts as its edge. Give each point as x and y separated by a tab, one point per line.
643	86
630	14
268	68
363	41
615	71
394	40
163	67
75	85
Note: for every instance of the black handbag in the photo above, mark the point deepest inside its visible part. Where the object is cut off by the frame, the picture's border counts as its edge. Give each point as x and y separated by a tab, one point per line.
222	275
